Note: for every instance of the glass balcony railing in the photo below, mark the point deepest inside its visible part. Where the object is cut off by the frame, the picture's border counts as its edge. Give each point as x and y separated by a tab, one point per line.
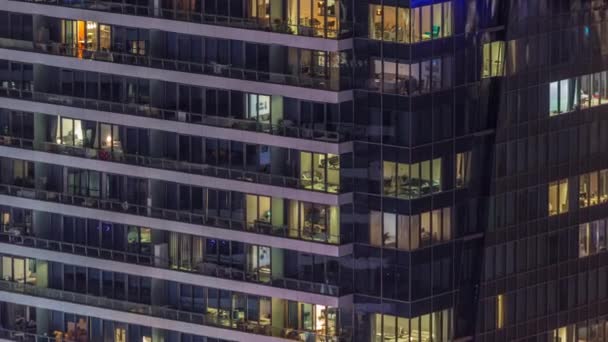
144	110
11	235
160	163
168	214
284	26
208	319
23	336
335	83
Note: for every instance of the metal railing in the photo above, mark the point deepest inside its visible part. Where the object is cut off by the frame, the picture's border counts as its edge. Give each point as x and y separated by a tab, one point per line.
165	164
276	25
214	320
330	83
146	110
23	336
166	214
204	268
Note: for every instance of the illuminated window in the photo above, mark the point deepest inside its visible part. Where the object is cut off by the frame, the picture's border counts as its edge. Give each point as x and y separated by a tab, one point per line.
493	59
593	188
120	335
558	197
320	171
500	311
412	180
564	334
411	79
592	238
463	169
69	132
434	326
410	232
313	221
579	92
562	96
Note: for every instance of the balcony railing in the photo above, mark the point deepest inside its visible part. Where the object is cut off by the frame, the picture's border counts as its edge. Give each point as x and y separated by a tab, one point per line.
167	214
156	311
145	110
335	83
161	163
12	235
277	25
24	336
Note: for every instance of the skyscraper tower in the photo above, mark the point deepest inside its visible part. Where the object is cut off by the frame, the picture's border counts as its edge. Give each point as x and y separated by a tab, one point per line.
310	170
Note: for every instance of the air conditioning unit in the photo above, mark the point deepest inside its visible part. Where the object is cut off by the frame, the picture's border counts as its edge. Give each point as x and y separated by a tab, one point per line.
182	116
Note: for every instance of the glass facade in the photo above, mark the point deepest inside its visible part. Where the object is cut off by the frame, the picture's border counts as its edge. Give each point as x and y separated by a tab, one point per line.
312	170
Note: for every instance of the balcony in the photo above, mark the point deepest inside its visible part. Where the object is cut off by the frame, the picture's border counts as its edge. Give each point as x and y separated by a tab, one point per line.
147	111
188	217
56	297
332	82
314	24
166	164
11	235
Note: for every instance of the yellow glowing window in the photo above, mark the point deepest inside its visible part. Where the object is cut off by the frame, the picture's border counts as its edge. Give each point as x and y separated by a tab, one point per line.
493	59
558	197
500	311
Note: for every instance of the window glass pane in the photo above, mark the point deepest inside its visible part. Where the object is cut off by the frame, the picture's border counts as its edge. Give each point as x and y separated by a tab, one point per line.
593	188
447	19
375	22
403	22
390	23
105	34
583	191
306	173
583	240
67	131
390	178
426	25
436	180
437	21
595	89
563	196
415	22
425	229
403	232
333	173
553	98
585	91
415	231
390	230
389	326
566	95
436	225
603	186
375	228
553	202
447	224
603	93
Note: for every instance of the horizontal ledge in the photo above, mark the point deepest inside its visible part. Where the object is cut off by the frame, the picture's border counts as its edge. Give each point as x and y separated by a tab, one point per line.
207	30
133	318
207	131
176	176
202	80
179	227
171	275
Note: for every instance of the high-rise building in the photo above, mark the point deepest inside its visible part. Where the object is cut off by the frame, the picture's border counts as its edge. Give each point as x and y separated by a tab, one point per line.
312	170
